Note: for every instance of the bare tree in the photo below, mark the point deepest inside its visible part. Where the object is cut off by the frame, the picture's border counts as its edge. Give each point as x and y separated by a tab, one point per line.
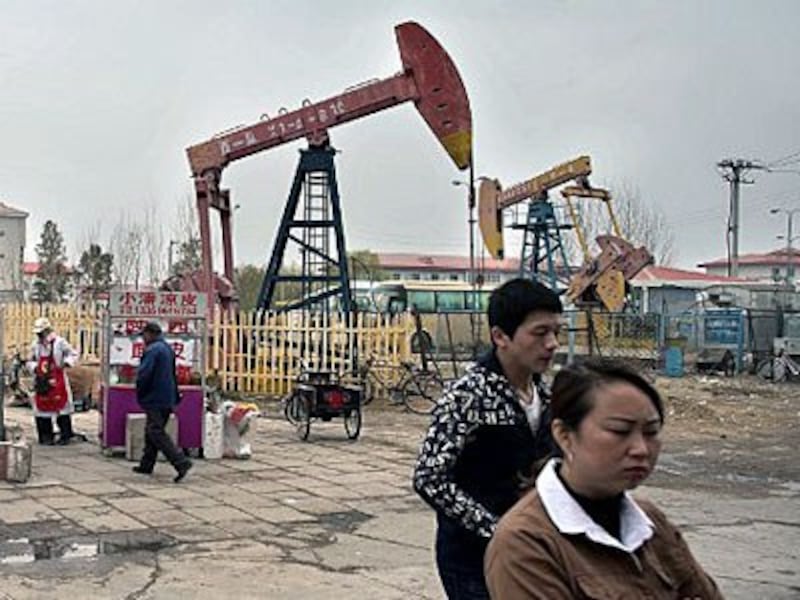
153	239
126	246
640	223
185	237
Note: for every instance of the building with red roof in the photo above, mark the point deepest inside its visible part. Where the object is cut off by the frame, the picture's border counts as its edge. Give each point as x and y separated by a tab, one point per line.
444	267
764	266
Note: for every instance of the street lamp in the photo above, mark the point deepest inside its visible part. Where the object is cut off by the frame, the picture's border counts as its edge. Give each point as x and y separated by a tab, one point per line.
789	238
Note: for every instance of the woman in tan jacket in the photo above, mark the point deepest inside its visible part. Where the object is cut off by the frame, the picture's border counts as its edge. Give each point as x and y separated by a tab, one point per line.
580	534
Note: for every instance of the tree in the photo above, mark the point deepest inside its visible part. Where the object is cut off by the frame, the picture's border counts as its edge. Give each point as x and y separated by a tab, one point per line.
364	264
95	270
189	257
640	223
126	246
186	235
52	279
248	280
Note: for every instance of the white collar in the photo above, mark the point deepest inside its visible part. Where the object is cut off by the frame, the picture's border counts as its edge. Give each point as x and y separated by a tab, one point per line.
569	517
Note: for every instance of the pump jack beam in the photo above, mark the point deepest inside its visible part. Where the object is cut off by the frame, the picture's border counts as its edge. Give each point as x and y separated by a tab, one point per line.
429	79
493	199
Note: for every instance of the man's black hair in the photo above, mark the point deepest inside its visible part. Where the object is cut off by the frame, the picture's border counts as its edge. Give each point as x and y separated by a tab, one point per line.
152	327
512	302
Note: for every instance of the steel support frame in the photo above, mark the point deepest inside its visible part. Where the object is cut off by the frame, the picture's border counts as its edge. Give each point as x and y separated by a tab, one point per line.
314	162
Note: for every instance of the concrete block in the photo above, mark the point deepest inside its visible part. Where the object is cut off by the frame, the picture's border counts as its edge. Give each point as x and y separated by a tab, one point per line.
212	436
16	458
134	435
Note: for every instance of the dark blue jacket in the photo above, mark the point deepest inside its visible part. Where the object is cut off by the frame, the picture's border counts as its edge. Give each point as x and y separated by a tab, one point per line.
155	378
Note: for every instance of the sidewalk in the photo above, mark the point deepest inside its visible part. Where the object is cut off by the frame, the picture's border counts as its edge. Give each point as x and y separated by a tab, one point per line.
326	518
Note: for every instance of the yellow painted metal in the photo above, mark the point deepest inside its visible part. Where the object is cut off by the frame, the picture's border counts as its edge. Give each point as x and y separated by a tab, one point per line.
492	199
490	218
573	169
610	289
459	146
577	227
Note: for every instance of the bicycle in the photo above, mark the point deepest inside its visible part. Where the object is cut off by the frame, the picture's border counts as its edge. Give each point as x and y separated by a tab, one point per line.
17	383
416	389
778	369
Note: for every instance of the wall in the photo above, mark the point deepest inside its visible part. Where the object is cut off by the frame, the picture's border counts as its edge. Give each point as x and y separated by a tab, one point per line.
12	246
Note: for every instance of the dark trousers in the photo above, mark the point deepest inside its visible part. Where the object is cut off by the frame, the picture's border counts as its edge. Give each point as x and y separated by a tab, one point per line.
156	438
44	429
460	565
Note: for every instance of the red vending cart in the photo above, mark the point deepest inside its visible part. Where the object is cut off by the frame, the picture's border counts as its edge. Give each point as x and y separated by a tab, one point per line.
182	316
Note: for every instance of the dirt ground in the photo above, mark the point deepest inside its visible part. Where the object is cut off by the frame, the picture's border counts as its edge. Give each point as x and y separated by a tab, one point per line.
730	432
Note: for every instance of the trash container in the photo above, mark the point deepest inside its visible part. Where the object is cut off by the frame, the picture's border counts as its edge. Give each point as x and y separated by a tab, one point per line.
673	361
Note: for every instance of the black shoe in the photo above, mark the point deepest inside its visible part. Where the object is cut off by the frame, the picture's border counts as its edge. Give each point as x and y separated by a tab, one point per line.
182	470
142	470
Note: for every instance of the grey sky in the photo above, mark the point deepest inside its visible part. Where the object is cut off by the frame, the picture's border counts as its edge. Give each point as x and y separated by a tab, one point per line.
98	101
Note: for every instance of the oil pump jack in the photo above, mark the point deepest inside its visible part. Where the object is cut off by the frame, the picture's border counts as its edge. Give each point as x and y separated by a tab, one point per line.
601	280
429	79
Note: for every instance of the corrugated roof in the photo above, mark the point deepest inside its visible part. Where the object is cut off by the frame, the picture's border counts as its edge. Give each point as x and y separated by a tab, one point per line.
654	274
776	258
10	211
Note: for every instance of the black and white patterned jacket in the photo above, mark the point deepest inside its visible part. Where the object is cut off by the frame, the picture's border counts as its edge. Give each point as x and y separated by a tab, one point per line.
479	450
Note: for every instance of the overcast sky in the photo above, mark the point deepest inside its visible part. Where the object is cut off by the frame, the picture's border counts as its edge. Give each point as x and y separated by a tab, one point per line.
98	101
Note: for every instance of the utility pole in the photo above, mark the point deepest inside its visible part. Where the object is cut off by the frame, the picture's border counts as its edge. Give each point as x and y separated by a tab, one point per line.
733	171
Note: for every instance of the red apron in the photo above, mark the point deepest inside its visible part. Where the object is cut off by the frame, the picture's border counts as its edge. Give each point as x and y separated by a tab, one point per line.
56	399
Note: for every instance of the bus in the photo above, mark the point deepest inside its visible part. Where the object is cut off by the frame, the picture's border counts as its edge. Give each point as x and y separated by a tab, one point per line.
449	311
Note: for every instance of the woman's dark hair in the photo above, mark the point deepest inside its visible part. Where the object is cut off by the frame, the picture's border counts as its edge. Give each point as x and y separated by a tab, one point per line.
574	386
512	302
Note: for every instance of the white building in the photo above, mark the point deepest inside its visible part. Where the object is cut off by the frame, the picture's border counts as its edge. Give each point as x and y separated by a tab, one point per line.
439	267
12	249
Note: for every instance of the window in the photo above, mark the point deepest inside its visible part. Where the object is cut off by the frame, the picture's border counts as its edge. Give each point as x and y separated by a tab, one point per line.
424	301
450	301
434	277
454	277
414	276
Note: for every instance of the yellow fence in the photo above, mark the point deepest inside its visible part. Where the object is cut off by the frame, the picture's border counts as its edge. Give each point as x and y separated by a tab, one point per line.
80	326
245	354
252	357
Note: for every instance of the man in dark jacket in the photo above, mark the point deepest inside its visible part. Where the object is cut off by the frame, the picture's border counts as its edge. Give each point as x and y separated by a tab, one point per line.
488	430
157	394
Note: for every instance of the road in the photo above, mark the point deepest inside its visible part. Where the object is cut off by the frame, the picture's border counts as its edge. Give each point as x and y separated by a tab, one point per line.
330	518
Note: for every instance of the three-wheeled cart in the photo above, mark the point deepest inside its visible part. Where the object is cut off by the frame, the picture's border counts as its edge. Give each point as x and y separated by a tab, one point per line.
320	395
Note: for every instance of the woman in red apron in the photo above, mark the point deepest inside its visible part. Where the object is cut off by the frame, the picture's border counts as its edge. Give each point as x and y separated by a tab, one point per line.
50	356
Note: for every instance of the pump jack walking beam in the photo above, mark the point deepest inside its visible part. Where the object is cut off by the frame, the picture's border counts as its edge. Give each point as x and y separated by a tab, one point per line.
429	79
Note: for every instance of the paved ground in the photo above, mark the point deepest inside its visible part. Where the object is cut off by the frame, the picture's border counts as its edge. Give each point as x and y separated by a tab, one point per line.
328	518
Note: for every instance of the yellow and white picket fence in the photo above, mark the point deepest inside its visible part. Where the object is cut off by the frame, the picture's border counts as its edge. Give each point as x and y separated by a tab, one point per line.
81	326
245	352
255	355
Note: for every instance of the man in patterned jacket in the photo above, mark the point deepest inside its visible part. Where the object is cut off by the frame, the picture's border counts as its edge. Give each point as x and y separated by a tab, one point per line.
487	432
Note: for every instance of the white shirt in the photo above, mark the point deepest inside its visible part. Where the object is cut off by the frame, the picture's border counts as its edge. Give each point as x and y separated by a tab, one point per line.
533	409
570	518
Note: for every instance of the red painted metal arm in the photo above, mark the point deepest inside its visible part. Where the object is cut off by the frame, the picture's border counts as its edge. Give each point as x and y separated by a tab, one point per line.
310	121
429	79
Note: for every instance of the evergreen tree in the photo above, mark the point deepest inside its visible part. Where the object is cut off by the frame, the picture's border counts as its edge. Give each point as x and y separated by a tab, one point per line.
95	270
52	279
189	257
248	280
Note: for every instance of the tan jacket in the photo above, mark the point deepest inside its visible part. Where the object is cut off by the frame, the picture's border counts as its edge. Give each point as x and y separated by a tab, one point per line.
530	559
